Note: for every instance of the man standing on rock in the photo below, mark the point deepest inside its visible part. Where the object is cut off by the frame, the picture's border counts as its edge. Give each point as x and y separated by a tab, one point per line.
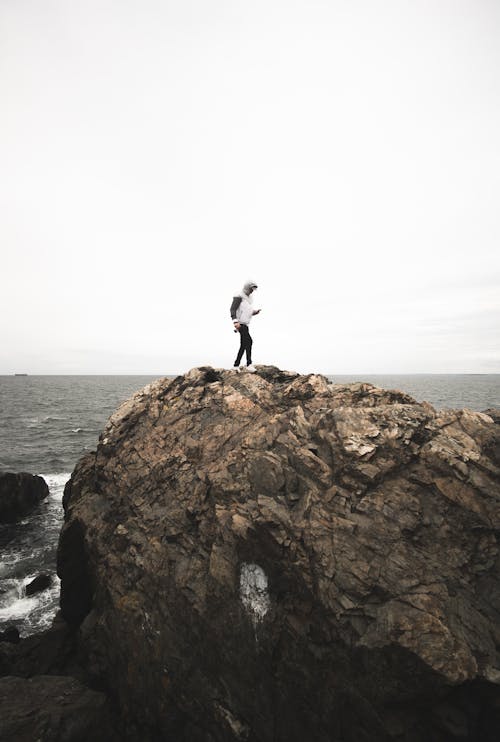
242	312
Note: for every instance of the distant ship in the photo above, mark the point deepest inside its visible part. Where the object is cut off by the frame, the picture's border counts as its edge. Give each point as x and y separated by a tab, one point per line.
20	374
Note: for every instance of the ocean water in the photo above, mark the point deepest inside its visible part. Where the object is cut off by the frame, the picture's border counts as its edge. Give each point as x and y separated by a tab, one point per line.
48	422
475	391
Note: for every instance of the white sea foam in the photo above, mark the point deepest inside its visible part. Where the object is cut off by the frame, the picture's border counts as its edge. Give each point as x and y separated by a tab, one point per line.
56	483
30	553
17	609
40	608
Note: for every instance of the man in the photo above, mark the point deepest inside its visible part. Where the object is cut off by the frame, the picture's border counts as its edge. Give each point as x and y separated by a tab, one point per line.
242	312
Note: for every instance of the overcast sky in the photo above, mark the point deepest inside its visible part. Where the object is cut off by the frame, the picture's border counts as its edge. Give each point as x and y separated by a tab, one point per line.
345	155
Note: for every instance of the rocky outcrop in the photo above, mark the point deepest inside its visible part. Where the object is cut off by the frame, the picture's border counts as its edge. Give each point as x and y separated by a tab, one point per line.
273	557
51	708
45	693
51	652
20	494
494	413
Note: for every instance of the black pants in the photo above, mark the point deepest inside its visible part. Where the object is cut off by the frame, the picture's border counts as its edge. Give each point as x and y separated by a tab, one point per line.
245	345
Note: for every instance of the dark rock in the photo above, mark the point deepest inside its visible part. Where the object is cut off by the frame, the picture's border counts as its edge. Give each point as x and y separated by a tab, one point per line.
51	652
20	494
61	707
271	557
53	709
73	564
11	635
494	413
41	582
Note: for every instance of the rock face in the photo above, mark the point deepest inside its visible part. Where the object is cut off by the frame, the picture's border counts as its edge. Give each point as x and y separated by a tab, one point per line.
20	494
271	557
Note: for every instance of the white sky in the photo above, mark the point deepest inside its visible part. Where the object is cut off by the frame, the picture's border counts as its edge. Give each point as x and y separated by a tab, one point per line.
343	154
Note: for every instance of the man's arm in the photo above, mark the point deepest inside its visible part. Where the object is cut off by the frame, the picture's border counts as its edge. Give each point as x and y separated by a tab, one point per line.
234	306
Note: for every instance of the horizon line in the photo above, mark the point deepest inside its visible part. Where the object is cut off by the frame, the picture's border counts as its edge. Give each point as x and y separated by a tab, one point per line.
19	374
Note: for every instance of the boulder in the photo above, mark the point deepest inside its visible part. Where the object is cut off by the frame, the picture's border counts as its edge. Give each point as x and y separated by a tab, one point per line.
271	557
40	583
20	494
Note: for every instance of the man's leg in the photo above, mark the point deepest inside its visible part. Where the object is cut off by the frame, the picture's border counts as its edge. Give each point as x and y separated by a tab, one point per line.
249	348
242	344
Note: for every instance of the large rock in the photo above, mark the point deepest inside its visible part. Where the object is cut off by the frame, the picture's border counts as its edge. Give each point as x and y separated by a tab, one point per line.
20	494
273	557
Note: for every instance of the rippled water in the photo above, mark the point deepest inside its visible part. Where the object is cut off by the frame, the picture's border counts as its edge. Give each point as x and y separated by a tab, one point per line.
28	548
475	391
48	422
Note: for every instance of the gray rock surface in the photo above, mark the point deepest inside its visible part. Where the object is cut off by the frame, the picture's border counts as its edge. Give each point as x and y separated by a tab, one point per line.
271	557
20	494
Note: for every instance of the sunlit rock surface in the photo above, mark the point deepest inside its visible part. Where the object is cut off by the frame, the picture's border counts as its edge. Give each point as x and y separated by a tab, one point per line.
271	557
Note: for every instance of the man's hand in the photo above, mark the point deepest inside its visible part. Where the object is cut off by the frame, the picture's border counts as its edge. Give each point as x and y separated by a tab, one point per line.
237	325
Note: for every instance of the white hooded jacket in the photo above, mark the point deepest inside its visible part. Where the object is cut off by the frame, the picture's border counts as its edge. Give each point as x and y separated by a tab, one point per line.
242	306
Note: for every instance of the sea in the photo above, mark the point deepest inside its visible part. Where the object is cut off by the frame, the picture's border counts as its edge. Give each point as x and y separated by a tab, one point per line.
48	422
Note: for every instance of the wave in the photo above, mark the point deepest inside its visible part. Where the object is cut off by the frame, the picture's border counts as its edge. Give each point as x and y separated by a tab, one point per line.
18	608
56	482
33	612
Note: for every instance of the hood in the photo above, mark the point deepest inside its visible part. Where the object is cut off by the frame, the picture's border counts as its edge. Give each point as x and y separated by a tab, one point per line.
249	285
